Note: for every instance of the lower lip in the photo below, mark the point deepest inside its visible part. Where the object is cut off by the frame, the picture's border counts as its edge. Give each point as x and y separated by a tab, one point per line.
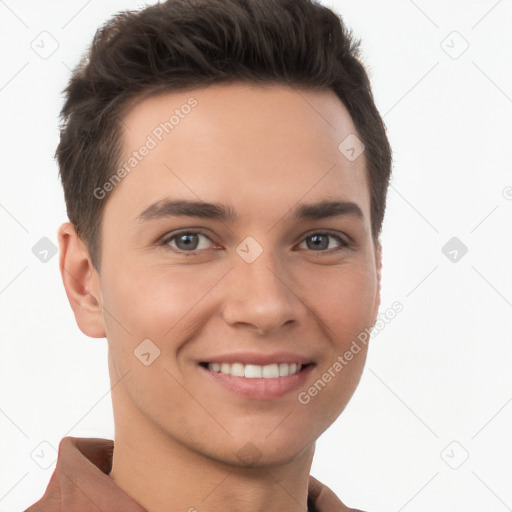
260	388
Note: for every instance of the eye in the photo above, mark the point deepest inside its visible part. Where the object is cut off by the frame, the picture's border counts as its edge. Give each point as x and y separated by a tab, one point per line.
186	242
319	241
190	243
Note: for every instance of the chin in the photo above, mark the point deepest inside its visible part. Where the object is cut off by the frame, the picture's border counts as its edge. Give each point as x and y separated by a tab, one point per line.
263	450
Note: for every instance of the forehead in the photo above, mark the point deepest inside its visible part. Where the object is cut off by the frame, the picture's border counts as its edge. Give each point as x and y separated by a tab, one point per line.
240	144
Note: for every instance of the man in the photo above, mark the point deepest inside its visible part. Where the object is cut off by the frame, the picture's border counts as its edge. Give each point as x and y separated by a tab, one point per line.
225	173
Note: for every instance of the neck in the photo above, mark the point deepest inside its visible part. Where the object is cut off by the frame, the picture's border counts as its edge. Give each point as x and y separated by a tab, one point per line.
158	472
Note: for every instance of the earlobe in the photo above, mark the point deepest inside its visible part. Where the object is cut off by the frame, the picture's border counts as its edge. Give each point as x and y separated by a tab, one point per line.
81	282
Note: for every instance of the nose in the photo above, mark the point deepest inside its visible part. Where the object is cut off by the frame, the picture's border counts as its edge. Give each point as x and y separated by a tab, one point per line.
261	296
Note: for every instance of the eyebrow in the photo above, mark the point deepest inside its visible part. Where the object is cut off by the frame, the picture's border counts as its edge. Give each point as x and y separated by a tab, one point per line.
179	207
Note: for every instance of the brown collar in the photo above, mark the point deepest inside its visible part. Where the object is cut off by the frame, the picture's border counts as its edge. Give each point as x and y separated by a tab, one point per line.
80	482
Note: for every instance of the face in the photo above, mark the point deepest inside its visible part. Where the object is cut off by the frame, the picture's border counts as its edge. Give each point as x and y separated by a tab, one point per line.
273	276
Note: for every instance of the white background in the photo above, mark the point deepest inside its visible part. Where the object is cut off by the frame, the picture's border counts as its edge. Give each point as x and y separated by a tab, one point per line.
438	373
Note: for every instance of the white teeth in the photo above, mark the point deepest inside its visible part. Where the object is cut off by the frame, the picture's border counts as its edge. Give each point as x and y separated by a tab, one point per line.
252	371
255	371
271	371
237	369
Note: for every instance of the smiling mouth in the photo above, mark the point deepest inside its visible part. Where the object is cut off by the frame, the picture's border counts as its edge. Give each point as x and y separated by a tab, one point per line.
258	382
256	371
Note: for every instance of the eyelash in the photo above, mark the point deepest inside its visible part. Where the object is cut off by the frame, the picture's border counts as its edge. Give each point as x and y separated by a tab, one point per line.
344	244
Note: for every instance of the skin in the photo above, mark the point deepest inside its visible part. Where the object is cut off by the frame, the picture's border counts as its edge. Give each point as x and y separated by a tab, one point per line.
261	151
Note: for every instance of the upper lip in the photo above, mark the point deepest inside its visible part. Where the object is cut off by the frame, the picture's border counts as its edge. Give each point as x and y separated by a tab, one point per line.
258	358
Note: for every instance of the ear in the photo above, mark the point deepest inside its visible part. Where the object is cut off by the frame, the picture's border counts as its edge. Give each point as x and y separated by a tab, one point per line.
378	267
81	282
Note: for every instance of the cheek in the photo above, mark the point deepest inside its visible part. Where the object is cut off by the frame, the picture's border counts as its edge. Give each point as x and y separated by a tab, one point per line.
150	301
344	301
162	304
153	303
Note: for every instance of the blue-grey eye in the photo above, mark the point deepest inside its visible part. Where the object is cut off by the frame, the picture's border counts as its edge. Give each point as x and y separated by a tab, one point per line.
188	241
320	241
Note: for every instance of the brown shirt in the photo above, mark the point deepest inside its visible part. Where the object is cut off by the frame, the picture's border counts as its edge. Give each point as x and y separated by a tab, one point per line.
81	483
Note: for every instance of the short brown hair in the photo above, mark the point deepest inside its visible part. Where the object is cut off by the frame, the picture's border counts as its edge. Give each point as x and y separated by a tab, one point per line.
183	44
